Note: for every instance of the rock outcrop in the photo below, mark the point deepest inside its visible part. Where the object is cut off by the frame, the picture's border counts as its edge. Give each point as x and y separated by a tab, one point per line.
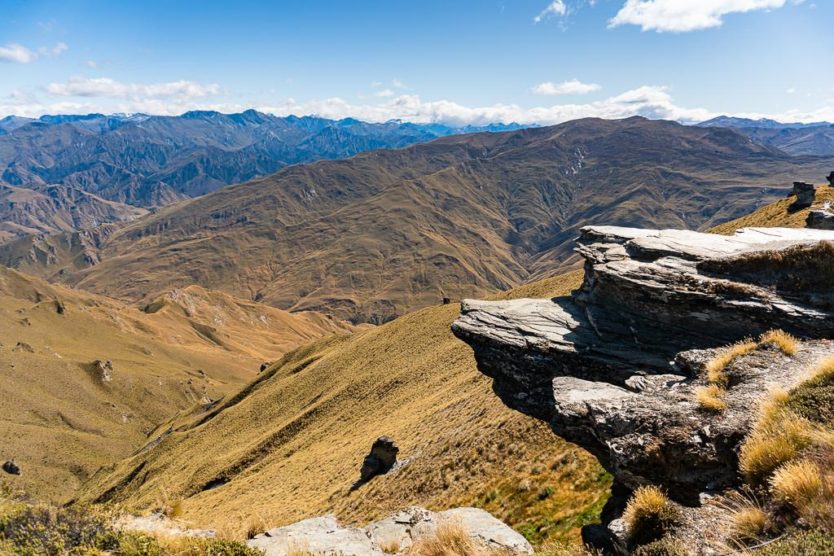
820	220
392	535
805	194
380	459
616	366
11	467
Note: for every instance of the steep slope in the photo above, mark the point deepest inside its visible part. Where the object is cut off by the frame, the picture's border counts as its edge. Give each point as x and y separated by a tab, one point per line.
290	444
385	232
778	214
86	378
151	161
56	209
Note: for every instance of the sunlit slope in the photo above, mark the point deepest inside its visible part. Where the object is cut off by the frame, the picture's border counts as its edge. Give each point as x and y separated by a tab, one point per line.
64	414
778	214
291	443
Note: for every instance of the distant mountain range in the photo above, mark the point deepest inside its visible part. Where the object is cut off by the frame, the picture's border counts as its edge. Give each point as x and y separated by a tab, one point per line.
374	236
151	161
794	138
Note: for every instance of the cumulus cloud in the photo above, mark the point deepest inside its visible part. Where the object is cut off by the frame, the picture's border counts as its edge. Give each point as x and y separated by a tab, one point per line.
107	87
19	54
649	101
556	7
679	16
570	87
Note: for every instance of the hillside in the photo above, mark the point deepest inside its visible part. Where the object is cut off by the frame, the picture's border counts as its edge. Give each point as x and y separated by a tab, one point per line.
815	139
385	232
51	209
279	450
150	161
66	411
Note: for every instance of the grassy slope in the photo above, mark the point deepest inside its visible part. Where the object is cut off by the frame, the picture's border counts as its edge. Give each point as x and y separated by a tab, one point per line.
291	444
776	214
61	421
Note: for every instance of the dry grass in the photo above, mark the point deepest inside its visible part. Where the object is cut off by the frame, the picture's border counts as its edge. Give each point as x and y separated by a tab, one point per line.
711	398
785	342
283	438
449	539
772	444
796	482
777	214
824	370
749	524
649	515
717	365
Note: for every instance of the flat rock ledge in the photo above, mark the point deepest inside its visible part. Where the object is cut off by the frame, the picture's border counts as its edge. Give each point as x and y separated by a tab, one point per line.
392	535
615	367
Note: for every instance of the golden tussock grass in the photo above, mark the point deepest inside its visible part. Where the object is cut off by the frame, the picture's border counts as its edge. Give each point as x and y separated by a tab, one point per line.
649	514
449	539
284	438
786	343
824	370
772	444
749	524
777	214
796	481
717	365
711	398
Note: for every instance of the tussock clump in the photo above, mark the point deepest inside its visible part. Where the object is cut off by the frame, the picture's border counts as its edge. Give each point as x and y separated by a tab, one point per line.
649	515
772	444
450	539
717	365
786	343
796	482
749	524
711	398
664	547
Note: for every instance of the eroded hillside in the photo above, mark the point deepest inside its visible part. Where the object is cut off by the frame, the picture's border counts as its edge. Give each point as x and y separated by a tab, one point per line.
385	232
86	378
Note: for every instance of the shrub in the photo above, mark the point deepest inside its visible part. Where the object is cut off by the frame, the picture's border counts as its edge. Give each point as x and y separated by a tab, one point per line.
711	398
649	515
663	547
813	542
786	343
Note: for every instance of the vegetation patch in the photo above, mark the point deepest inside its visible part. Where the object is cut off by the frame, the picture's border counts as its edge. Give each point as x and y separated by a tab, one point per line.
649	515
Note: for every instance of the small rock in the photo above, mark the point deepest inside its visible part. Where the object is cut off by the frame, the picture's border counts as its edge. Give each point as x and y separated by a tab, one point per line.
60	308
380	460
820	220
264	366
446	301
805	193
103	370
830	178
11	468
23	346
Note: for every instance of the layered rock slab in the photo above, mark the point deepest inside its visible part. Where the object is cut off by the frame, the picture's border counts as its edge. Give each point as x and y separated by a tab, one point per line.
392	535
612	368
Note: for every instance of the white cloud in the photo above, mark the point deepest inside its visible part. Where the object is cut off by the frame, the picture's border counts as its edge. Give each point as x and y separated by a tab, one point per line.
398	84
571	87
384	93
107	87
679	16
19	54
652	102
556	7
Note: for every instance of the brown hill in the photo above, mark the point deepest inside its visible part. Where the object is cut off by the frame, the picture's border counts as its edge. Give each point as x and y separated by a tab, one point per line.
290	444
25	211
66	411
379	234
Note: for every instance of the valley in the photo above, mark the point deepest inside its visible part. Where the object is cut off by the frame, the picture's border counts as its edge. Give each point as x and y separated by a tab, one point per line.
383	233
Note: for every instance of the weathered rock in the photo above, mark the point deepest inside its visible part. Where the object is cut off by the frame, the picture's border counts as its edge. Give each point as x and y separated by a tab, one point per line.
11	467
820	220
805	194
392	535
23	346
380	460
830	178
102	370
612	368
264	366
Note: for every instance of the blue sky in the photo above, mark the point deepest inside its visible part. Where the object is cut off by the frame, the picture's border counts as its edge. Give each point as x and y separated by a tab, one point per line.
454	61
